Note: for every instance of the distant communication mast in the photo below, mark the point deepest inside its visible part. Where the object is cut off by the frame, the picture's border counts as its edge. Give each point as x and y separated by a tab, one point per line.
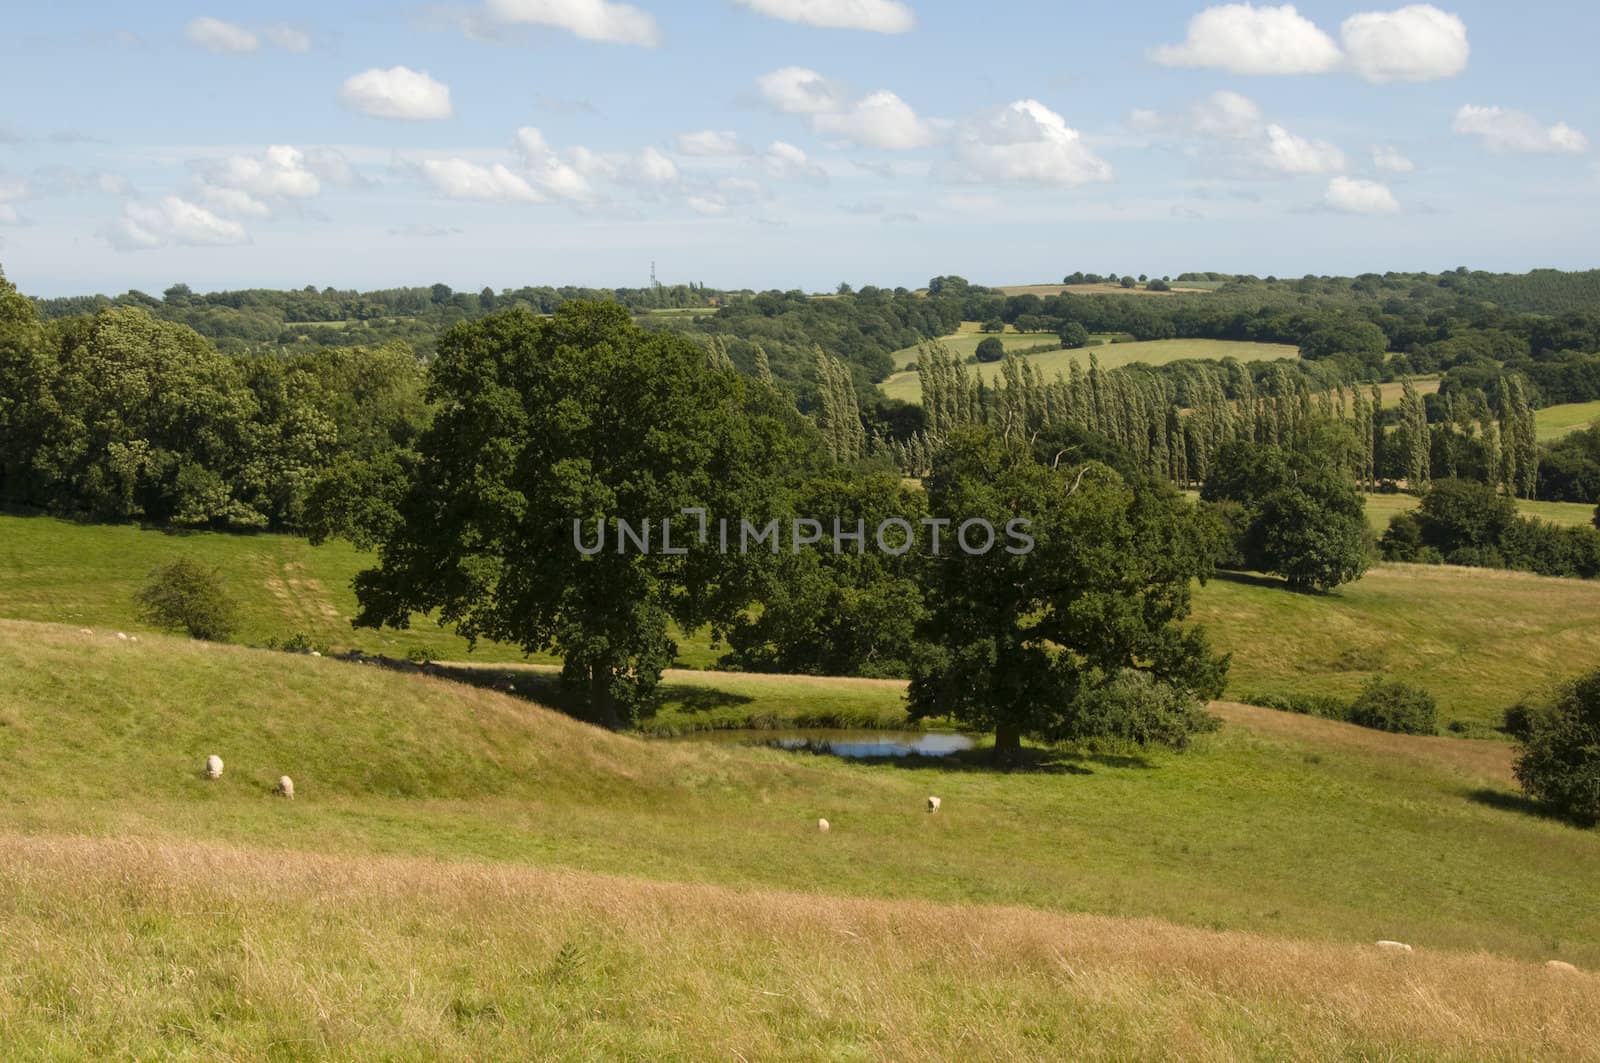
653	282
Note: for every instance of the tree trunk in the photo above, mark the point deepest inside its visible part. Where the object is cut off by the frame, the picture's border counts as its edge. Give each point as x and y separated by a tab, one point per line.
601	702
1007	745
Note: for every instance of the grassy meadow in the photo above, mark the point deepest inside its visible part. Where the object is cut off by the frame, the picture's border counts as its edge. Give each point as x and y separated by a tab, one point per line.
908	385
1381	508
1556	421
964	343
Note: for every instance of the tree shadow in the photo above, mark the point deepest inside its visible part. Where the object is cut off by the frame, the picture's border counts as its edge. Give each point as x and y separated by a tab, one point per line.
1029	761
696	699
1506	801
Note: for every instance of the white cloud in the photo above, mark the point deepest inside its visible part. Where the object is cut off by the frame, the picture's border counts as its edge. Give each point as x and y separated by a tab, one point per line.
398	92
331	165
172	221
1244	39
1390	160
881	120
278	173
1288	153
591	20
1353	195
1415	43
654	168
796	90
708	142
1505	131
461	179
223	38
235	202
786	162
710	206
876	16
1227	114
9	215
289	38
548	171
1026	141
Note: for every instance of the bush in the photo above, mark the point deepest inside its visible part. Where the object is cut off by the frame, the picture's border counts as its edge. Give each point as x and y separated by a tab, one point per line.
1559	763
991	350
422	655
1395	707
1135	707
1517	720
184	595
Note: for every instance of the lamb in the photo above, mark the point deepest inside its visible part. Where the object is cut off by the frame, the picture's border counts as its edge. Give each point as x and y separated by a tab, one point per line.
285	787
822	826
1559	965
933	804
1394	946
213	767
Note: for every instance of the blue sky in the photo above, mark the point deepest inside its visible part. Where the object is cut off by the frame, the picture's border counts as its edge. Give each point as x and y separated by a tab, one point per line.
788	143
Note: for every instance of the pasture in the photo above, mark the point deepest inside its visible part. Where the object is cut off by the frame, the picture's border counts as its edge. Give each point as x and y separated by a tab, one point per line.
908	386
1556	421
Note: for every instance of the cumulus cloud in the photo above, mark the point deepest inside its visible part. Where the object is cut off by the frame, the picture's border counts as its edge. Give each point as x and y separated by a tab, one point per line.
1025	141
281	172
1353	195
172	222
1415	43
786	162
652	167
710	205
1244	39
1227	114
709	142
881	120
591	20
797	90
462	179
549	172
222	38
398	92
1505	132
1288	153
875	16
1390	160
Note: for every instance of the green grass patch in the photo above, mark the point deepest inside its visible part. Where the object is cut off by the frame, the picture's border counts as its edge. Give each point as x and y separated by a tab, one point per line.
1556	421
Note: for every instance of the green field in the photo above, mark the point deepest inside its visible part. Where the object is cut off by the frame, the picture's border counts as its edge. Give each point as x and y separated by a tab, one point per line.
1556	421
1381	508
1477	639
85	576
964	344
908	386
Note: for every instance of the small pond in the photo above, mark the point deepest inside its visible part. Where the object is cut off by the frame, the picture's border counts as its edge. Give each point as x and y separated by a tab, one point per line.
858	744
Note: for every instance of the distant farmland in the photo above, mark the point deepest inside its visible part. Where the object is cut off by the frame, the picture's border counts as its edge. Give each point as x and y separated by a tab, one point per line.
908	386
1557	421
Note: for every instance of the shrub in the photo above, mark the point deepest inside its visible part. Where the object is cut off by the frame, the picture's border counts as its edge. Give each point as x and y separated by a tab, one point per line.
1517	720
184	595
991	350
1395	707
422	655
1559	762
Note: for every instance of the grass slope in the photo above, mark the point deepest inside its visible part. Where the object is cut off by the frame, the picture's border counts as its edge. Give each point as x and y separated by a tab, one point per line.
83	575
908	385
1477	639
1317	831
964	343
1383	508
222	952
1556	421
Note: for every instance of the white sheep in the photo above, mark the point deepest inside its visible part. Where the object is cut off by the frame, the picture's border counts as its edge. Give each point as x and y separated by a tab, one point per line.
285	787
1394	946
213	767
1560	965
822	826
122	636
933	804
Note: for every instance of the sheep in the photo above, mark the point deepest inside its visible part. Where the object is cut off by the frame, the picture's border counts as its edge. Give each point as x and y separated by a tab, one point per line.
285	787
122	636
822	826
213	767
1394	946
1559	965
85	631
933	804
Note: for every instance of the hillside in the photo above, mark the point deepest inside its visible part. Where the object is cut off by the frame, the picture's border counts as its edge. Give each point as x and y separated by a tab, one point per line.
906	385
1557	421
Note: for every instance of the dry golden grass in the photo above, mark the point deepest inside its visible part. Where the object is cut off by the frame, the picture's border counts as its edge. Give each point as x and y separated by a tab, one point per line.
123	949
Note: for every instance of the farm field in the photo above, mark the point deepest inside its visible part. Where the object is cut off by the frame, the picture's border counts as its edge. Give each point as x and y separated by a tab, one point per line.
908	386
964	344
1381	508
85	576
1556	421
1477	639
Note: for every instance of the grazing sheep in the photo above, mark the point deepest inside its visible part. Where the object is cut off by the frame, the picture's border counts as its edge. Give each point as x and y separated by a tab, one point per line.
1559	965
1394	946
85	631
285	787
213	767
822	826
933	804
121	636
